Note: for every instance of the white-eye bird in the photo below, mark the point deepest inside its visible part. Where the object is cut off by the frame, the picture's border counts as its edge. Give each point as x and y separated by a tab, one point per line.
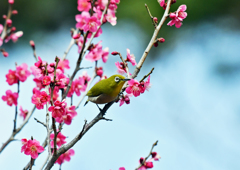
106	90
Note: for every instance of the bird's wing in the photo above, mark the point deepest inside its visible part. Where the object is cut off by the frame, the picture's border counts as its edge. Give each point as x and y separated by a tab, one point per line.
96	90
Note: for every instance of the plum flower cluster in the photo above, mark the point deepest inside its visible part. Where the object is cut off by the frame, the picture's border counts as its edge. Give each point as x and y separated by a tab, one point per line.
62	113
10	98
90	22
148	164
20	74
79	85
8	32
31	147
120	66
135	88
44	76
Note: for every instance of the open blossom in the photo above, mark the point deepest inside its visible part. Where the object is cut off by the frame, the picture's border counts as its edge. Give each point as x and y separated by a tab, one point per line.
10	98
22	72
31	147
71	110
84	5
134	88
60	139
61	80
121	68
46	80
63	64
131	58
65	156
155	156
40	98
125	99
162	4
147	84
97	53
82	19
14	36
178	16
105	54
12	78
23	113
110	17
60	113
92	24
79	86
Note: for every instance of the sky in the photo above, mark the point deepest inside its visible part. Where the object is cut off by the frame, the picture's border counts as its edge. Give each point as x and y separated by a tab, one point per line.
192	108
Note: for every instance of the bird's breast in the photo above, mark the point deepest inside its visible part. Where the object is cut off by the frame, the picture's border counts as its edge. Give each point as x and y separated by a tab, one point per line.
101	99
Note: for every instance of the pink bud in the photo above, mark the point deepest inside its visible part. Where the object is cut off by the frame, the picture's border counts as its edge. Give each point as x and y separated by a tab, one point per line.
4	16
9	22
76	36
13	29
14	12
31	42
172	15
161	40
5	54
114	53
174	1
52	64
155	19
99	71
155	44
11	2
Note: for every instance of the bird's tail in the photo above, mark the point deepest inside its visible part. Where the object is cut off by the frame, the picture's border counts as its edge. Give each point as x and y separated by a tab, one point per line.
86	102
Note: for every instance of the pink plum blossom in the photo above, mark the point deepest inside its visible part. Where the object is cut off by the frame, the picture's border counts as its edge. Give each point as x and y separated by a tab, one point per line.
23	113
131	58
99	71
65	156
110	17
134	88
121	68
63	64
178	17
40	98
162	3
46	80
22	72
12	78
97	53
71	110
147	84
1	29
71	90
84	5
78	86
60	140
10	98
92	24
24	143
121	168
58	110
125	99
155	156
82	19
146	165
105	54
32	147
61	80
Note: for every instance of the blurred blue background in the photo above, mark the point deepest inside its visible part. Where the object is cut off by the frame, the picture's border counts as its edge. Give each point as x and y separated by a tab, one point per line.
192	108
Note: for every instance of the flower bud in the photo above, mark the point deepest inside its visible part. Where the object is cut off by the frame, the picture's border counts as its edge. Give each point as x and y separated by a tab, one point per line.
155	44
155	19
99	71
31	42
174	1
14	12
13	29
114	53
172	15
9	22
76	36
52	64
161	40
5	54
11	2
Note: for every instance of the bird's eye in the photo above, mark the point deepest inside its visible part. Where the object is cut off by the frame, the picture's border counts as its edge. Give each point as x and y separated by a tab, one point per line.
117	79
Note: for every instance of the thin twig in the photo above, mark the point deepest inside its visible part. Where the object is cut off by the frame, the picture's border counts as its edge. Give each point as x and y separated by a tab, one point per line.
4	32
40	122
153	22
72	42
145	159
147	75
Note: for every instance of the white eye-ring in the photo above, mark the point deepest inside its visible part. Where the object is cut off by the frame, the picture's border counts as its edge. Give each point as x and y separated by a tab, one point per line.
117	79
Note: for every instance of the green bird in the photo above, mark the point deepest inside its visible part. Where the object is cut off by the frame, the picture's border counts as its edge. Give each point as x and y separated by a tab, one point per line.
106	90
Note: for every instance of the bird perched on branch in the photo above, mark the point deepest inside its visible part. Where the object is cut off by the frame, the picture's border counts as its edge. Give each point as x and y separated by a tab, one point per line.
106	90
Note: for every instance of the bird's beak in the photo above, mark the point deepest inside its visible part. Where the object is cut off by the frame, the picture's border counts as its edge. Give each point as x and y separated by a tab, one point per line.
126	79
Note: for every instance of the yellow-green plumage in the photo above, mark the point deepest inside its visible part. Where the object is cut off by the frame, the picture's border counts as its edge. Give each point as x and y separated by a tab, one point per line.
106	90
